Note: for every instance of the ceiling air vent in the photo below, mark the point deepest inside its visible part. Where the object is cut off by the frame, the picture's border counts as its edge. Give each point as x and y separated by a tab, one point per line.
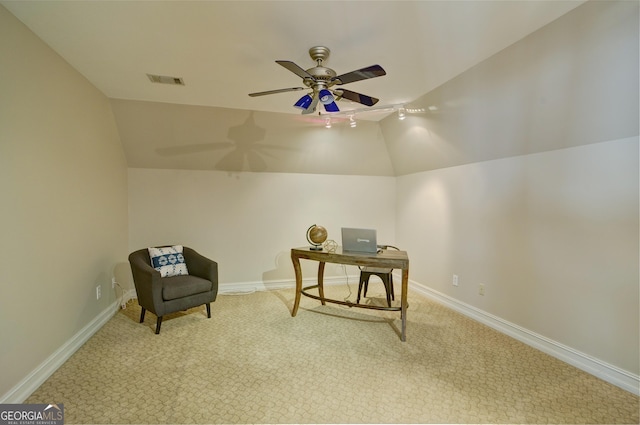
163	79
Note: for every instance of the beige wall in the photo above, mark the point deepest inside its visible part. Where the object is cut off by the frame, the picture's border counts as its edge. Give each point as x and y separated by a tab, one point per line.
63	214
551	229
248	222
553	237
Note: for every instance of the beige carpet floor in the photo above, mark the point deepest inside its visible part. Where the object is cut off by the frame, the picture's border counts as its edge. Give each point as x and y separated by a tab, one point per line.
254	363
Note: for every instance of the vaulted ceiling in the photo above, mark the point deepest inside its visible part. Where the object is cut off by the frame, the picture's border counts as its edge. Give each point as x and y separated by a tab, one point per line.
224	50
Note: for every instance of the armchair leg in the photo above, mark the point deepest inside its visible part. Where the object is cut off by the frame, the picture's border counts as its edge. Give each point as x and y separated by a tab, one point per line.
158	324
208	310
144	310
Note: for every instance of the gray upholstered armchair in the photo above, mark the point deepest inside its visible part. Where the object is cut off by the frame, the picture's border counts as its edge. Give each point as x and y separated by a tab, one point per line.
164	295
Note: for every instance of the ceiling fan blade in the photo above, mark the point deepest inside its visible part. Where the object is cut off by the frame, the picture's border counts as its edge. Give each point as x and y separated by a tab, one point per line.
263	93
312	108
357	97
295	69
360	74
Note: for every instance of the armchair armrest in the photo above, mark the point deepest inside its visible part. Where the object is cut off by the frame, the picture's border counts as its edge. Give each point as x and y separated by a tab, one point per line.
146	279
201	266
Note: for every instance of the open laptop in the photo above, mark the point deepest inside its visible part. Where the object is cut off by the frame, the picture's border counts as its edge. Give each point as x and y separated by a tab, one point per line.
359	240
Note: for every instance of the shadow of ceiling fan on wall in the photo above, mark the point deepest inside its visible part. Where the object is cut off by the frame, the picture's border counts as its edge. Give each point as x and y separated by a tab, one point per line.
321	79
244	147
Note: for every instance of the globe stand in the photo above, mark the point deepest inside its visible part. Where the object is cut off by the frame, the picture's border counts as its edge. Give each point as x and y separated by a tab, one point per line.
316	235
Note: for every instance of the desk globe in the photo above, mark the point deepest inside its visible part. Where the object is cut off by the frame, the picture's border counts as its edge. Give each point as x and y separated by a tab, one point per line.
316	235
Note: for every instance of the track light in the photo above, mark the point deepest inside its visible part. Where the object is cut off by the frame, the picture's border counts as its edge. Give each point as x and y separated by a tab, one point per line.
304	102
352	122
327	123
401	114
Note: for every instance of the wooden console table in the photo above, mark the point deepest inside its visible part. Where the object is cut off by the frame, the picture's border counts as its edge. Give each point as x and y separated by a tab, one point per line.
386	259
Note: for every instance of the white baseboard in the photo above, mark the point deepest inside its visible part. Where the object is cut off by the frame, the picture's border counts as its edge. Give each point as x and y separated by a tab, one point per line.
19	393
607	372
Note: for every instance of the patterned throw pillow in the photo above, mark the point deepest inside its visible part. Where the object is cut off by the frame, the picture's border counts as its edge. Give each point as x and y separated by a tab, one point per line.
168	261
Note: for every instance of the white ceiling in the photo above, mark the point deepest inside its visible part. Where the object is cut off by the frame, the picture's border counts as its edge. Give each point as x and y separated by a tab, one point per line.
226	49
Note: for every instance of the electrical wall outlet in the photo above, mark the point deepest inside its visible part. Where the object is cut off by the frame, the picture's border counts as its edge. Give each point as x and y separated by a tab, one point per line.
481	289
455	280
98	292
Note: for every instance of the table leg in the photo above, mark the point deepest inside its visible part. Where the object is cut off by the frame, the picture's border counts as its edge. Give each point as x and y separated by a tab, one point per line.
298	271
403	305
321	281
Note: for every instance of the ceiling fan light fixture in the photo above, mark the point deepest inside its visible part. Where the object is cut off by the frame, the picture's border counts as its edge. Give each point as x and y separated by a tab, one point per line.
331	107
304	102
326	97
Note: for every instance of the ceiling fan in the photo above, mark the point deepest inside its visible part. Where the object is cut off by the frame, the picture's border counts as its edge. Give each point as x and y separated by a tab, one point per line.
321	79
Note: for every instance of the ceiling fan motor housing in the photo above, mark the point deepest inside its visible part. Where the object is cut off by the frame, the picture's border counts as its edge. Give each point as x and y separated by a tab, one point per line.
319	54
321	73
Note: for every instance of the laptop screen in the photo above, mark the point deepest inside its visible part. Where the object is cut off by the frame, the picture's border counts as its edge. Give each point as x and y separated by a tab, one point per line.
359	240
